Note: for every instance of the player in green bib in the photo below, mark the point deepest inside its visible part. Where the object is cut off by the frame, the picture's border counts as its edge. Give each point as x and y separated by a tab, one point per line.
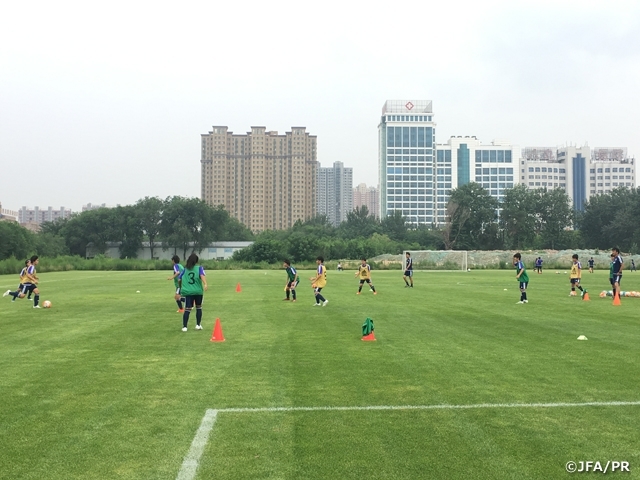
521	276
292	280
177	271
193	284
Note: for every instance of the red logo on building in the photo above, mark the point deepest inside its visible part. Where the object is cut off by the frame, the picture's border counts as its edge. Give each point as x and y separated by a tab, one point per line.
409	105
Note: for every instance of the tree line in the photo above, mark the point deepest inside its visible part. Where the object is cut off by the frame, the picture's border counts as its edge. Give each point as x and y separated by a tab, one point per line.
524	219
177	223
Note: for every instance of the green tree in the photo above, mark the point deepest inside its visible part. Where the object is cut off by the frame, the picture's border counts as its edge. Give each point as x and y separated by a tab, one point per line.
15	240
553	215
127	229
97	227
50	245
394	226
611	219
518	216
149	213
471	218
262	250
359	224
301	247
189	223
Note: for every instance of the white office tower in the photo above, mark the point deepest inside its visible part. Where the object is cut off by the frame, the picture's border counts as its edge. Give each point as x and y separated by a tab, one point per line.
580	171
406	147
335	192
465	159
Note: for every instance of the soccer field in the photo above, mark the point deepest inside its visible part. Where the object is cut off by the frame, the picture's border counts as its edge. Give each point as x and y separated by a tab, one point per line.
106	385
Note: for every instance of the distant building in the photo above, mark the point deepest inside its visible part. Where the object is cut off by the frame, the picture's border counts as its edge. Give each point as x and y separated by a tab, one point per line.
38	216
265	180
369	197
8	215
580	171
335	192
90	206
406	163
463	160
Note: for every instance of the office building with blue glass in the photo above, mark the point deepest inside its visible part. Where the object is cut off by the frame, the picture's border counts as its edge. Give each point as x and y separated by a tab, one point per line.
417	175
407	160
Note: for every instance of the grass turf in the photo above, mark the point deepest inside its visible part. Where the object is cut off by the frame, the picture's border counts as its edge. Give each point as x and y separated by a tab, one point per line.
105	385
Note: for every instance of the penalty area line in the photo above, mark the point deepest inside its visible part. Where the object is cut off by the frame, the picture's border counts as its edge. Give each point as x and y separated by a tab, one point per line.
192	459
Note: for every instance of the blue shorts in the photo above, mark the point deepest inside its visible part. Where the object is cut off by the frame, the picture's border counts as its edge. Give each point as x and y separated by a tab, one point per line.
293	284
190	300
408	273
362	280
523	285
575	281
616	279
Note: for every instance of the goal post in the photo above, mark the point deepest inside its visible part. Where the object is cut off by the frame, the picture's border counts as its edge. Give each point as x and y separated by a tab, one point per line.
437	259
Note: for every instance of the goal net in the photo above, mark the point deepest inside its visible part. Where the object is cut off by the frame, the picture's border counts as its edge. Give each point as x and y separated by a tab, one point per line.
437	259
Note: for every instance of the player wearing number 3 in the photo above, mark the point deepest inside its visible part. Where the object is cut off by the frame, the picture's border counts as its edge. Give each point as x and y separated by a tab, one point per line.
193	284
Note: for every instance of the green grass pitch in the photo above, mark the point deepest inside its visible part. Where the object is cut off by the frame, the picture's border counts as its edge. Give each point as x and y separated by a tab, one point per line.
105	385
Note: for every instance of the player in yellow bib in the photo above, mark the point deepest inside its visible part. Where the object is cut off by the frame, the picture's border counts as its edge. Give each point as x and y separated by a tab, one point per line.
23	286
576	276
319	282
364	271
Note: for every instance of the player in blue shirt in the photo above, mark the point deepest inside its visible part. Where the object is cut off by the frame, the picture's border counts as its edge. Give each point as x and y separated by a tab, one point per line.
538	265
177	271
408	270
616	270
591	262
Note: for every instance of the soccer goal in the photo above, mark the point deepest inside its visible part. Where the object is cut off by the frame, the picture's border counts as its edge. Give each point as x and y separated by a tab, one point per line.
437	259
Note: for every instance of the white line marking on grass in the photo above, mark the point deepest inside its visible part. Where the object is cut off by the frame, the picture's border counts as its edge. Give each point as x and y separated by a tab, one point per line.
428	407
192	460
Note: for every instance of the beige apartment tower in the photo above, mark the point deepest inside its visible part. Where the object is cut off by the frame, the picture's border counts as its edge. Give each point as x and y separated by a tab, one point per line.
265	180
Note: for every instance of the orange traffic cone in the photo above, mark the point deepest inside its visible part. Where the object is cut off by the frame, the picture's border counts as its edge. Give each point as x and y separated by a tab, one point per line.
369	338
616	299
238	288
217	335
585	297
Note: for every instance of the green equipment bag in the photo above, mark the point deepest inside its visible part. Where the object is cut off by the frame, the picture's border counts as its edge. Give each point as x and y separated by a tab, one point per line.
367	327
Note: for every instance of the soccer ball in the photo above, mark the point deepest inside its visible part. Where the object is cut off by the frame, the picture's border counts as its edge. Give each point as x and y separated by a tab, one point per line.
46	304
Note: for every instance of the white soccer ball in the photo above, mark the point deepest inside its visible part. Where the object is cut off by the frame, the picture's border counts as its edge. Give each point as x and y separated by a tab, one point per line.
46	304
137	291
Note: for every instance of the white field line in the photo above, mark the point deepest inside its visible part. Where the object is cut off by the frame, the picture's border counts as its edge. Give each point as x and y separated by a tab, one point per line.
192	460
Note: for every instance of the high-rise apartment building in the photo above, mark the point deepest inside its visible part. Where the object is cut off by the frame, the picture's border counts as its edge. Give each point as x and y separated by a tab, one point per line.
38	216
580	171
335	192
368	197
406	160
265	180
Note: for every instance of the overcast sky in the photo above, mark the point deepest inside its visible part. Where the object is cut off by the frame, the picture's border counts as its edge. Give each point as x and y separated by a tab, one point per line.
105	102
